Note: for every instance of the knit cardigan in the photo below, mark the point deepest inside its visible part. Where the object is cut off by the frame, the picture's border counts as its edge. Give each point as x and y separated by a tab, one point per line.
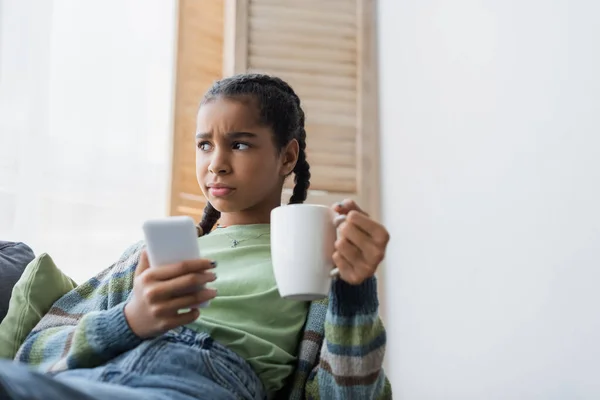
340	354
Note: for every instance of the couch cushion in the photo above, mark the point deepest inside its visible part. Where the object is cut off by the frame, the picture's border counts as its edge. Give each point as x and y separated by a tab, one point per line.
41	284
14	257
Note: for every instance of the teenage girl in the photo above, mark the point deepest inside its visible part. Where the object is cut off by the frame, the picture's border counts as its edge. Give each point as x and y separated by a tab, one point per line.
121	334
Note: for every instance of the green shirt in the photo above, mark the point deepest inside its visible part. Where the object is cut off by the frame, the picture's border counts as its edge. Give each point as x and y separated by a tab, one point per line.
248	315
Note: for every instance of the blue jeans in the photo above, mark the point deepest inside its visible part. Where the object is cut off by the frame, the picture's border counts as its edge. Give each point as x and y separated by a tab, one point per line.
179	365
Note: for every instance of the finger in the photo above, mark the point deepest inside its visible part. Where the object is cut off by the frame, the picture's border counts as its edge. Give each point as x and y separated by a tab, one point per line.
348	249
346	270
374	229
343	266
178	287
355	257
349	230
370	251
172	306
143	264
339	220
347	205
167	272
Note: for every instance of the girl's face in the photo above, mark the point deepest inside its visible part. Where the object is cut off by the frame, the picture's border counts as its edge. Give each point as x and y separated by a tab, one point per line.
237	165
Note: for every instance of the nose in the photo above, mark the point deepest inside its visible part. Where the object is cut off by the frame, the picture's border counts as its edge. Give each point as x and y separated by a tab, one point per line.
219	163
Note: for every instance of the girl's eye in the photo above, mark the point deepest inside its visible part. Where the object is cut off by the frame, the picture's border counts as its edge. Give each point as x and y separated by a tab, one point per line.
240	146
204	146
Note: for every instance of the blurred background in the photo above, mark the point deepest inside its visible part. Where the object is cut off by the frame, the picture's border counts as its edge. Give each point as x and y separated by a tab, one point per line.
471	128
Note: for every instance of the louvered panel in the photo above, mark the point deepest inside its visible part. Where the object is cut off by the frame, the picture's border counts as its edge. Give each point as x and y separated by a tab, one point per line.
297	40
189	157
333	133
316	11
321	158
305	54
323	67
298	24
313	45
190	205
318	197
189	182
326	49
327	106
199	64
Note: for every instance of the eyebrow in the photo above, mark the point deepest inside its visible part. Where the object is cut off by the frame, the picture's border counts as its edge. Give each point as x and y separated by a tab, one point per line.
229	135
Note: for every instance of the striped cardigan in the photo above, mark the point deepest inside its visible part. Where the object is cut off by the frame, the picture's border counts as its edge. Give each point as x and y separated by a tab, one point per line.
340	355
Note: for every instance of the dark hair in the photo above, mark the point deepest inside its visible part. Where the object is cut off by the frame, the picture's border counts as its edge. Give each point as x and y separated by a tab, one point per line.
279	108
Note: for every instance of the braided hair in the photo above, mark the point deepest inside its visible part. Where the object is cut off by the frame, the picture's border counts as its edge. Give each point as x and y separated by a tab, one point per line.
279	108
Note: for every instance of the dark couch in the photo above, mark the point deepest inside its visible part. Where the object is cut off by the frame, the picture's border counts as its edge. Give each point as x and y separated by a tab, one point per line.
14	257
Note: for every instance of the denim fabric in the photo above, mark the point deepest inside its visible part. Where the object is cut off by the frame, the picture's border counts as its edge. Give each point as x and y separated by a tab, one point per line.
179	365
14	257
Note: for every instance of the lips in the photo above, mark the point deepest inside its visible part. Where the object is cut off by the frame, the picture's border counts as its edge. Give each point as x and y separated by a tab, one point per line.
219	190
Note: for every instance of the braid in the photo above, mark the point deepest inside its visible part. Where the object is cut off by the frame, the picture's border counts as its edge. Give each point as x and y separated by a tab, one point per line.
210	216
302	168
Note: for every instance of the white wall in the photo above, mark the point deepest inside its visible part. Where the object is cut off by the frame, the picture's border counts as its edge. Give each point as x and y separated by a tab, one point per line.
491	186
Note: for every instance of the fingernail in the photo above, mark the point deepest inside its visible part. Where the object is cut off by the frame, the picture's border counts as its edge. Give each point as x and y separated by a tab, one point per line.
213	264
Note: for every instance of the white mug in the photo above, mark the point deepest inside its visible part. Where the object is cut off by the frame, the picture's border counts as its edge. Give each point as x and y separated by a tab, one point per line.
302	245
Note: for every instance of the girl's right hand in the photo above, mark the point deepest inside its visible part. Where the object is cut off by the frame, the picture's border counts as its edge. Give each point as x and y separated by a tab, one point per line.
159	293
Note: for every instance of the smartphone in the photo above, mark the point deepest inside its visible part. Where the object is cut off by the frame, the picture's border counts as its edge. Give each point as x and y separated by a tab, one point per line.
171	240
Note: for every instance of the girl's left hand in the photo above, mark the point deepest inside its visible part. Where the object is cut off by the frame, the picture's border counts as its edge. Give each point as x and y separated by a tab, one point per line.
361	244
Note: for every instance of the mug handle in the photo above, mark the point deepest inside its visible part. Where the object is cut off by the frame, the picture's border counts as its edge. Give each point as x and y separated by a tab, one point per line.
337	221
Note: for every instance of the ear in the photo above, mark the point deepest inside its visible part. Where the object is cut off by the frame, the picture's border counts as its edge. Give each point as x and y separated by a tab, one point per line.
289	157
